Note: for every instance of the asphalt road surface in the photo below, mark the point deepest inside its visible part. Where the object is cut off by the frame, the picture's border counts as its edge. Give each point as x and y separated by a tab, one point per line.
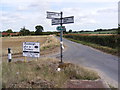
105	64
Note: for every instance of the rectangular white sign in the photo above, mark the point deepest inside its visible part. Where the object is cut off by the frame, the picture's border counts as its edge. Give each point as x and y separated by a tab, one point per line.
51	15
56	21
66	20
31	49
31	54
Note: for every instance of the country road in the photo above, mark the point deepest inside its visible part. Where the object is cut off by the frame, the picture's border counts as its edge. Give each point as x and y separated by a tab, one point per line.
105	64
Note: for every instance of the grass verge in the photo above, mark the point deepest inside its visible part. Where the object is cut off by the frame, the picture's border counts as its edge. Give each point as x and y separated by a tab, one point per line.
42	74
99	47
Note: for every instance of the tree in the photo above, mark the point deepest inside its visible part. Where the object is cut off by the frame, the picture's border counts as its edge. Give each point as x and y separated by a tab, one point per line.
118	29
70	31
39	29
32	33
24	31
9	31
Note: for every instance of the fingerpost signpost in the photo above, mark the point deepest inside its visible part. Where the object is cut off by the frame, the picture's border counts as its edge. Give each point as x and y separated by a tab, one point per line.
57	19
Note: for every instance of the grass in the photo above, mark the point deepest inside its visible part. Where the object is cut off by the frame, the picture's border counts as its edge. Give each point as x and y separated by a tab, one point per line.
100	32
50	43
42	74
99	47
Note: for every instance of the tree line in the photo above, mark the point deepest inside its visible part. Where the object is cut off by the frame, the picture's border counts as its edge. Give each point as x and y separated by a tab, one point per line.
23	31
39	31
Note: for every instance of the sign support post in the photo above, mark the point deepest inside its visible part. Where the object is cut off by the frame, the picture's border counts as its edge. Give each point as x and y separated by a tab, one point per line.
61	34
25	59
60	21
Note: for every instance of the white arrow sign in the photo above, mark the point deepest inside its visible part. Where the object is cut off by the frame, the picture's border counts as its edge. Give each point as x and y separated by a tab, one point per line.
56	21
66	20
51	15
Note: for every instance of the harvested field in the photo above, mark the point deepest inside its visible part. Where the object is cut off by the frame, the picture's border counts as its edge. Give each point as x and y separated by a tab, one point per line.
15	43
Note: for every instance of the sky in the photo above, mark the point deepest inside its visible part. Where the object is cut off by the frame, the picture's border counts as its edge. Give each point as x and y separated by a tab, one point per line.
88	14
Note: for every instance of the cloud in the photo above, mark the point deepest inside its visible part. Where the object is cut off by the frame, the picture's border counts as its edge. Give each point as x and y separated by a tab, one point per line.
81	16
88	1
108	10
22	8
99	17
54	1
11	18
33	12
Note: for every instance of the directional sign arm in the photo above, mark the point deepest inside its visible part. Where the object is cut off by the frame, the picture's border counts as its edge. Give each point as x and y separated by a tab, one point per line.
51	15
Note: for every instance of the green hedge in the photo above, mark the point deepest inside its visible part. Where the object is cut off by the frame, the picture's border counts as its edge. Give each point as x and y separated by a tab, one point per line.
110	41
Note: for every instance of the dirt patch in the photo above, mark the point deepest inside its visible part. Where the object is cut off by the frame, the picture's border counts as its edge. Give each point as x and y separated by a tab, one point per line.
39	83
86	84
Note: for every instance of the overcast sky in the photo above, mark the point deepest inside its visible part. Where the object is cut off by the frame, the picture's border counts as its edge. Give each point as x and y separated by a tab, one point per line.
88	14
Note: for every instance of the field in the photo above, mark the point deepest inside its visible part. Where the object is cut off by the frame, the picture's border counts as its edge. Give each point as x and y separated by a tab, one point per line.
15	43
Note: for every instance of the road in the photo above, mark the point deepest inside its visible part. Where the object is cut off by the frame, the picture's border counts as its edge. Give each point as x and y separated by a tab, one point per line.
105	64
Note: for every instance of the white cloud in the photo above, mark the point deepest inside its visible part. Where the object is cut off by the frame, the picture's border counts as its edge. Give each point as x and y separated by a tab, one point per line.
32	1
88	1
22	8
28	1
81	16
108	10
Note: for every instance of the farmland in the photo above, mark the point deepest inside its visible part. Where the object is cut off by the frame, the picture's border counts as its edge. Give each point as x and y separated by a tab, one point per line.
15	43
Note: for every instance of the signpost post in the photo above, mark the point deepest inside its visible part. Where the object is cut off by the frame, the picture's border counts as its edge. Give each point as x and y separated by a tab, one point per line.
61	34
60	21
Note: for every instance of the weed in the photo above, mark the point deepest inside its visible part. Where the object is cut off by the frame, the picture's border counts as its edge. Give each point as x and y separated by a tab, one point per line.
18	74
